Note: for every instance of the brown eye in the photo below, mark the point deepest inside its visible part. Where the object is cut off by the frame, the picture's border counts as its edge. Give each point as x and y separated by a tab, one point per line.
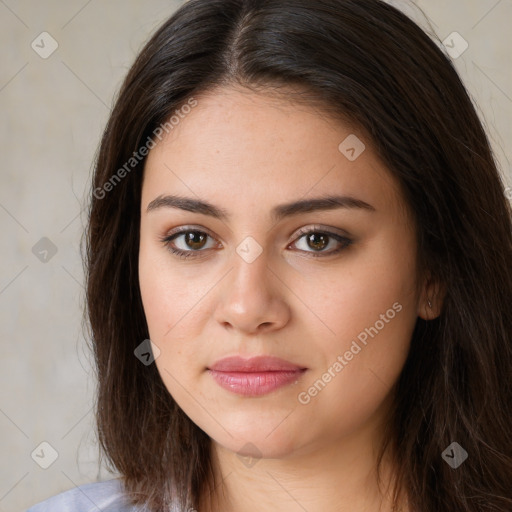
190	243
186	242
195	239
316	241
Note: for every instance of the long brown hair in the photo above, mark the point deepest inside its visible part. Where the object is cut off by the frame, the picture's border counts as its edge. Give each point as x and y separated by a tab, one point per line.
366	62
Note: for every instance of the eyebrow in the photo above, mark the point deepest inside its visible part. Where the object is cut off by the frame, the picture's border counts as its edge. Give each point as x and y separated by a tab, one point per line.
329	202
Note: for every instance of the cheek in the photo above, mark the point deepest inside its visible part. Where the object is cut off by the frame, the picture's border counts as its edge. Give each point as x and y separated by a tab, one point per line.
155	291
174	308
371	308
363	287
165	302
167	294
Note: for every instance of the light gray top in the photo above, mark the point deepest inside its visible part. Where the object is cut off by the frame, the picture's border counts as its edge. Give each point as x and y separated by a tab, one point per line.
95	497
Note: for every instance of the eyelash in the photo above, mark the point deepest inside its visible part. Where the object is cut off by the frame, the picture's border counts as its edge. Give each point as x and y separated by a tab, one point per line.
346	242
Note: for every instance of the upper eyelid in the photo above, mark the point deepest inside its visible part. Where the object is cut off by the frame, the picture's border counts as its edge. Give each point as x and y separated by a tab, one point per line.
300	231
321	229
297	233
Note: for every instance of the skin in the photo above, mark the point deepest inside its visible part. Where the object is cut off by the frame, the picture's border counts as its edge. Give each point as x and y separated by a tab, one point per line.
246	153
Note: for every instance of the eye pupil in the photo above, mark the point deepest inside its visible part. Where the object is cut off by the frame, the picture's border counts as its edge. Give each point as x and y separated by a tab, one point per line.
190	239
323	243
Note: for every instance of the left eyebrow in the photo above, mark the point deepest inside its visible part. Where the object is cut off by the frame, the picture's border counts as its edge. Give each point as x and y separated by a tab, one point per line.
279	212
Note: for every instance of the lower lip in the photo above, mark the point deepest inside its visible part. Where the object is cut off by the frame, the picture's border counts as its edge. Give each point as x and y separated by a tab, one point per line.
255	383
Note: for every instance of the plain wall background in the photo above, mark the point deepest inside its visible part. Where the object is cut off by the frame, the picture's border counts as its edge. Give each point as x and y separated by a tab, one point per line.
54	111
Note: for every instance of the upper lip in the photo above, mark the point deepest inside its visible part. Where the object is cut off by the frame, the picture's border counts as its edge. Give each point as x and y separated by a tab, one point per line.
254	364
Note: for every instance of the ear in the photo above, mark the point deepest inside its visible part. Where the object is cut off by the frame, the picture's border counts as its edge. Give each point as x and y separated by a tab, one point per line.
432	291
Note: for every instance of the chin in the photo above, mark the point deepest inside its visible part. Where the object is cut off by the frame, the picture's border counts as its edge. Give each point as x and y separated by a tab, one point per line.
256	439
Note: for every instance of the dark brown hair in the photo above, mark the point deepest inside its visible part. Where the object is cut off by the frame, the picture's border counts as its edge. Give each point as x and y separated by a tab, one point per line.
366	62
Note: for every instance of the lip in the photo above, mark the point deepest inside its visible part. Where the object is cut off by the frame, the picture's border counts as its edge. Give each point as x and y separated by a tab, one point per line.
255	376
254	364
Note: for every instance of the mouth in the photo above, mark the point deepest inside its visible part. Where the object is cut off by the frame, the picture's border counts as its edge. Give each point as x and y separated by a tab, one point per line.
255	376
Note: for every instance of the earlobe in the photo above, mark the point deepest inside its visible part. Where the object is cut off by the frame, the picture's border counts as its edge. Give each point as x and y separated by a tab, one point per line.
431	300
426	310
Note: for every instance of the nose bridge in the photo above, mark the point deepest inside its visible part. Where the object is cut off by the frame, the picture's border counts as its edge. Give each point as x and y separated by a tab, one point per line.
250	269
251	296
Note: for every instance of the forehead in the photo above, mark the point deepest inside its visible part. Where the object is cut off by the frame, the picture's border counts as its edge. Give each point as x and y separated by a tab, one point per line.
253	149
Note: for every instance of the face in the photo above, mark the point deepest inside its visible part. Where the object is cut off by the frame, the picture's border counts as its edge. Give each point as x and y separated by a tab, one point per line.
328	288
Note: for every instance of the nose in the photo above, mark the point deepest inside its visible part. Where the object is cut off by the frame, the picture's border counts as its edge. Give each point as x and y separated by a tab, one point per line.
252	298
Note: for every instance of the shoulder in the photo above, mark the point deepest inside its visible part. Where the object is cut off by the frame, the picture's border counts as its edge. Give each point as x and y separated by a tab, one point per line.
105	496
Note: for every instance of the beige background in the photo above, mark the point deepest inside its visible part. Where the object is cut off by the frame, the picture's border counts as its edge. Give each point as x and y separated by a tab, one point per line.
53	113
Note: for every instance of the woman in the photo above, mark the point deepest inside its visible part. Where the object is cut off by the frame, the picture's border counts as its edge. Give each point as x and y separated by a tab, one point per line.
298	261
